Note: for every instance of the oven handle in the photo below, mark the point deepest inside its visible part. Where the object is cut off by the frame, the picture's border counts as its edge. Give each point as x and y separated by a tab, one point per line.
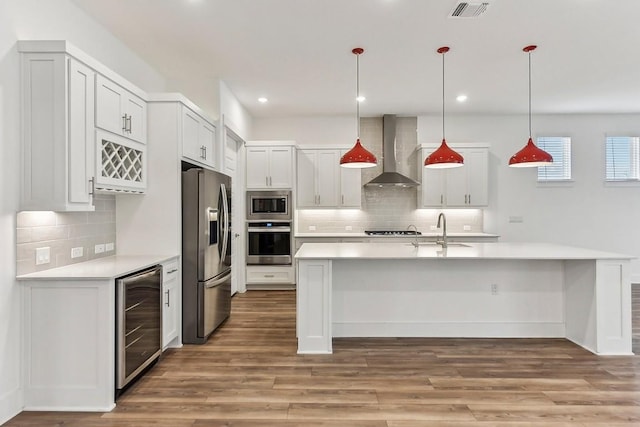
269	229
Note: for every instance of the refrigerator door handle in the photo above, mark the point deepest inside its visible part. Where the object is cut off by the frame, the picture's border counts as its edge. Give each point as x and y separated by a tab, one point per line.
215	282
225	208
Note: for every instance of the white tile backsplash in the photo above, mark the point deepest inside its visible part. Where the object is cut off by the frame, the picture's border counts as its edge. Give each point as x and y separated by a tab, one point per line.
62	231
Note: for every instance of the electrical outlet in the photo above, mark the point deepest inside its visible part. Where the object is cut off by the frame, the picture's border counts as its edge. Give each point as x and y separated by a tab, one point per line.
494	289
433	227
99	248
348	228
77	252
466	227
312	228
43	255
109	246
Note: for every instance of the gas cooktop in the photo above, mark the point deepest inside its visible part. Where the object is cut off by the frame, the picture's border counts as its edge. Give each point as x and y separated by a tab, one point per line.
392	232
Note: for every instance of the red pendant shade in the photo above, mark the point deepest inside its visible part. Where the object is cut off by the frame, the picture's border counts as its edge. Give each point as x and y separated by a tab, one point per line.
358	157
444	157
530	156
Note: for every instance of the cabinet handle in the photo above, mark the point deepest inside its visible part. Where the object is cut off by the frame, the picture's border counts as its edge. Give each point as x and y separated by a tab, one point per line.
205	152
172	271
469	198
270	181
128	122
342	199
266	181
441	199
92	187
465	199
269	275
124	123
168	303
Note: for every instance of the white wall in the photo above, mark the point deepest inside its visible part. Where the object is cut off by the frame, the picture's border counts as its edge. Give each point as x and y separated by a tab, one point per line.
235	115
47	20
586	213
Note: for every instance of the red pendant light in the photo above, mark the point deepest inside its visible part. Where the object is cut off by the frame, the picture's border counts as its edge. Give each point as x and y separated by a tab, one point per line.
358	156
444	156
530	156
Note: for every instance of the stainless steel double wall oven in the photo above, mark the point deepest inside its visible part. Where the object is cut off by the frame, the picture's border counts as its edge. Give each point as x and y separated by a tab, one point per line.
269	228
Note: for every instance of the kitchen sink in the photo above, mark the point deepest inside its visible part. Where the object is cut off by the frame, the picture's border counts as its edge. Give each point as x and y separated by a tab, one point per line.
449	244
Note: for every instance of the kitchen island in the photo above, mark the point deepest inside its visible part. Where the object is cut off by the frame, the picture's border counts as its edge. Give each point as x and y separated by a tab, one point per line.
464	290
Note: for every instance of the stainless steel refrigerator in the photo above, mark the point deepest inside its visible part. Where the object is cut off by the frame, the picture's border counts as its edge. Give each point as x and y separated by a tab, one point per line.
206	252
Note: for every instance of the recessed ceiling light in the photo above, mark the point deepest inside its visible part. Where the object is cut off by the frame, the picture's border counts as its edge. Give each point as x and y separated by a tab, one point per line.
360	98
461	98
262	100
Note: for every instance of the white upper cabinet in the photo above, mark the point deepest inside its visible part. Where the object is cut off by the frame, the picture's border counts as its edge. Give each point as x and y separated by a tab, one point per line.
269	166
198	138
120	111
350	185
66	158
323	183
58	133
466	186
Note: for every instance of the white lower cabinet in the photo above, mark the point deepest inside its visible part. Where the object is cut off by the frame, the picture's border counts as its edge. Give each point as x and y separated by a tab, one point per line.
267	274
465	187
171	292
69	345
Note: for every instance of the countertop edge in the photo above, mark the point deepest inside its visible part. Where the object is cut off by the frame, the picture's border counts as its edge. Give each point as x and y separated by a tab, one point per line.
105	268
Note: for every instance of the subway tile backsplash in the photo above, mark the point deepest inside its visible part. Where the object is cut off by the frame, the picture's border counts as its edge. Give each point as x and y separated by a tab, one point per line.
388	208
61	231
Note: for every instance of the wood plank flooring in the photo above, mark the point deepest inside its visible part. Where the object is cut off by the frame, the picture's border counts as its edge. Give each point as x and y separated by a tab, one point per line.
248	374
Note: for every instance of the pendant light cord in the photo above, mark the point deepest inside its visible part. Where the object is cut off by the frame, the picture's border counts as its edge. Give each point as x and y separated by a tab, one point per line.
358	95
529	93
443	96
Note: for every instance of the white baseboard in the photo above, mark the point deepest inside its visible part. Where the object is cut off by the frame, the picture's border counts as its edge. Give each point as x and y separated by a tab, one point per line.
450	329
11	404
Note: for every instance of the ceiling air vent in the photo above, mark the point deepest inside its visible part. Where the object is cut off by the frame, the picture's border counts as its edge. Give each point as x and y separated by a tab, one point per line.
465	9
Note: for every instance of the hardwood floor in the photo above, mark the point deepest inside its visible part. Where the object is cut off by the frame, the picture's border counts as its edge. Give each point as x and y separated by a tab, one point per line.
248	374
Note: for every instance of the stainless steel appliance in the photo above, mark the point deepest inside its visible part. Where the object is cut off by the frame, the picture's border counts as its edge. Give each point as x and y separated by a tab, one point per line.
206	252
269	242
269	205
138	323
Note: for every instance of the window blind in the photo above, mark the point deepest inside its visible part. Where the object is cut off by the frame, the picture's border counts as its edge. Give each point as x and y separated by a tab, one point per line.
560	149
622	158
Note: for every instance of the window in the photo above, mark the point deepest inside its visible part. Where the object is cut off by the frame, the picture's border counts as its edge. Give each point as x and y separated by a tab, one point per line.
622	159
560	149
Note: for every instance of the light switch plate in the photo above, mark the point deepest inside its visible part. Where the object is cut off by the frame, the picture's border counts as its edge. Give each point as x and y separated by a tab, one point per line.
77	252
43	255
312	228
466	227
109	246
99	248
348	228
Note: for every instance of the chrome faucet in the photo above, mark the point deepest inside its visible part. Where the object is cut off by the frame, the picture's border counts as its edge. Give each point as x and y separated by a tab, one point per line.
415	242
442	218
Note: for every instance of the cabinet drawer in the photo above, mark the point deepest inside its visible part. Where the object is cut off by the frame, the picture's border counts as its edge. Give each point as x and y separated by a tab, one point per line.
267	275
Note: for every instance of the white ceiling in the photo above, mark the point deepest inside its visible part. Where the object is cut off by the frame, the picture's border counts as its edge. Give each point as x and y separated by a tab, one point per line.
298	52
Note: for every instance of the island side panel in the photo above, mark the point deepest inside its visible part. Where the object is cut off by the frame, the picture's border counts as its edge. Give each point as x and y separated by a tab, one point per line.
613	296
580	303
448	298
313	308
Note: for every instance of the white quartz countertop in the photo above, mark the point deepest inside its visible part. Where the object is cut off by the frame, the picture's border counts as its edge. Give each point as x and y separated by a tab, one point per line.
427	234
101	268
542	251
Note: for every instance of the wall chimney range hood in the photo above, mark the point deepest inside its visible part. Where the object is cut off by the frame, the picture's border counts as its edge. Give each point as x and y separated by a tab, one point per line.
389	175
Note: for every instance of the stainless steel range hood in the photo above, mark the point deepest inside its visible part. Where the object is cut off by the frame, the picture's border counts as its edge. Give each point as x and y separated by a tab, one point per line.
389	175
